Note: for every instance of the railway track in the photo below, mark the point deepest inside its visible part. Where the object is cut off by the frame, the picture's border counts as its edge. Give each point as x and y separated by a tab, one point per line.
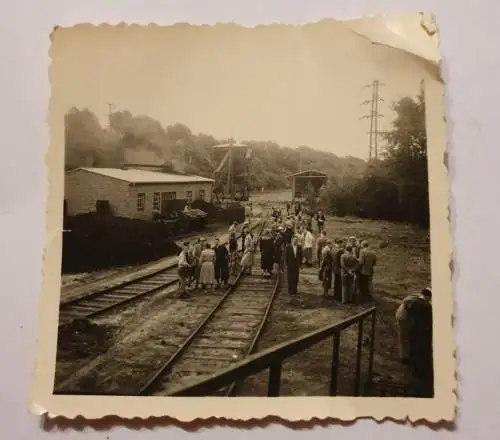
121	294
226	334
220	329
104	300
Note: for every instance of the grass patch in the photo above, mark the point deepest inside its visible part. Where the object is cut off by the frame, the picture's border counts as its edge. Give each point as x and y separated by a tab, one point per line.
403	267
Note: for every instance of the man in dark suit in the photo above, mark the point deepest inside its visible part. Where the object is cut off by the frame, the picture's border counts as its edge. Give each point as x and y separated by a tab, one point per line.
293	258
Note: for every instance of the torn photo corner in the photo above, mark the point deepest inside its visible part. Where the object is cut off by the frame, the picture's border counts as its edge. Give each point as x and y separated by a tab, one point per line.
247	222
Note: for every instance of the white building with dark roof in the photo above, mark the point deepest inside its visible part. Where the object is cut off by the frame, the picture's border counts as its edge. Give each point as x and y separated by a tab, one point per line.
132	193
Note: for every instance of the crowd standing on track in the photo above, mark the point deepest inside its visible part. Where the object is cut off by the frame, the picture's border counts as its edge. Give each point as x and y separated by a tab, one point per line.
346	268
202	266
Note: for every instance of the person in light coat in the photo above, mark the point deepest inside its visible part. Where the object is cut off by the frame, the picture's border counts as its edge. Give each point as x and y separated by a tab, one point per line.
207	267
183	268
247	260
308	247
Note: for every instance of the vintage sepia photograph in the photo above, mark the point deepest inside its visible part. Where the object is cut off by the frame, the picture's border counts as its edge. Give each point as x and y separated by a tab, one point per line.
246	212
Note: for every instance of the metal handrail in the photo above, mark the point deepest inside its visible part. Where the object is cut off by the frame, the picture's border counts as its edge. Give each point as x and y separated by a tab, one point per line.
273	358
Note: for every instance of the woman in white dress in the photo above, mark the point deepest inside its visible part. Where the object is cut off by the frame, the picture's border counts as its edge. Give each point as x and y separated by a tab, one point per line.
207	270
248	254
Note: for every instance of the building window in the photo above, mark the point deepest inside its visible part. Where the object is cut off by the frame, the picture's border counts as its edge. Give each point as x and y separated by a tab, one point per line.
202	194
169	195
156	201
141	201
189	196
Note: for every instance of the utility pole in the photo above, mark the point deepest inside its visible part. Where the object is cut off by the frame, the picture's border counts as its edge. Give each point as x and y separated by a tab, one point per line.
373	116
229	190
110	117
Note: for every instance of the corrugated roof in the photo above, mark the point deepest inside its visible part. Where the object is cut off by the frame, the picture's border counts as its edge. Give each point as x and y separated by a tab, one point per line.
144	176
306	172
235	145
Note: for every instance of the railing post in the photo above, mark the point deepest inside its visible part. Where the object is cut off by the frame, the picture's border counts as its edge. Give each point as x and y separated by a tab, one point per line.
372	349
335	364
357	378
273	386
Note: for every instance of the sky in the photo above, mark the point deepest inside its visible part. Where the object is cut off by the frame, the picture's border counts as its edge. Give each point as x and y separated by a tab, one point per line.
288	84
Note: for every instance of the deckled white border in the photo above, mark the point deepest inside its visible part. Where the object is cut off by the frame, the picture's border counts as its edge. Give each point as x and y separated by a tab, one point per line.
442	407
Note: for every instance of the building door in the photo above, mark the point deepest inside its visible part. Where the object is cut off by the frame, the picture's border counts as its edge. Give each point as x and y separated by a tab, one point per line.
103	207
166	198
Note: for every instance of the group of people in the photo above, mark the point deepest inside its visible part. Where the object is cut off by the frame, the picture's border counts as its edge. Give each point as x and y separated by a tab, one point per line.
345	267
202	266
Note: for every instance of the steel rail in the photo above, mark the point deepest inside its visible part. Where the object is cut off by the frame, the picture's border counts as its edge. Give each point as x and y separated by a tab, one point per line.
107	308
115	287
149	386
233	387
119	285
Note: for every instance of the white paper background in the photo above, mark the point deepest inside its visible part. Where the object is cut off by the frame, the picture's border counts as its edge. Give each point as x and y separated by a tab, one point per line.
470	32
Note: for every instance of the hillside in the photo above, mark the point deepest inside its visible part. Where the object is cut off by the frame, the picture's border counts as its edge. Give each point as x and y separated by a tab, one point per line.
141	139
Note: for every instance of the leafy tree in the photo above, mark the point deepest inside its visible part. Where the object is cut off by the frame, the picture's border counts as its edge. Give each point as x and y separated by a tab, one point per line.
87	144
395	187
407	157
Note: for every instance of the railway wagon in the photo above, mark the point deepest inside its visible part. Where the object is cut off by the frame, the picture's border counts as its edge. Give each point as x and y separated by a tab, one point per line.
229	213
178	217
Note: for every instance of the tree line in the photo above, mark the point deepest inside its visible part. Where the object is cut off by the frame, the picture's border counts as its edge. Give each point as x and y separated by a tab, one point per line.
394	186
142	139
